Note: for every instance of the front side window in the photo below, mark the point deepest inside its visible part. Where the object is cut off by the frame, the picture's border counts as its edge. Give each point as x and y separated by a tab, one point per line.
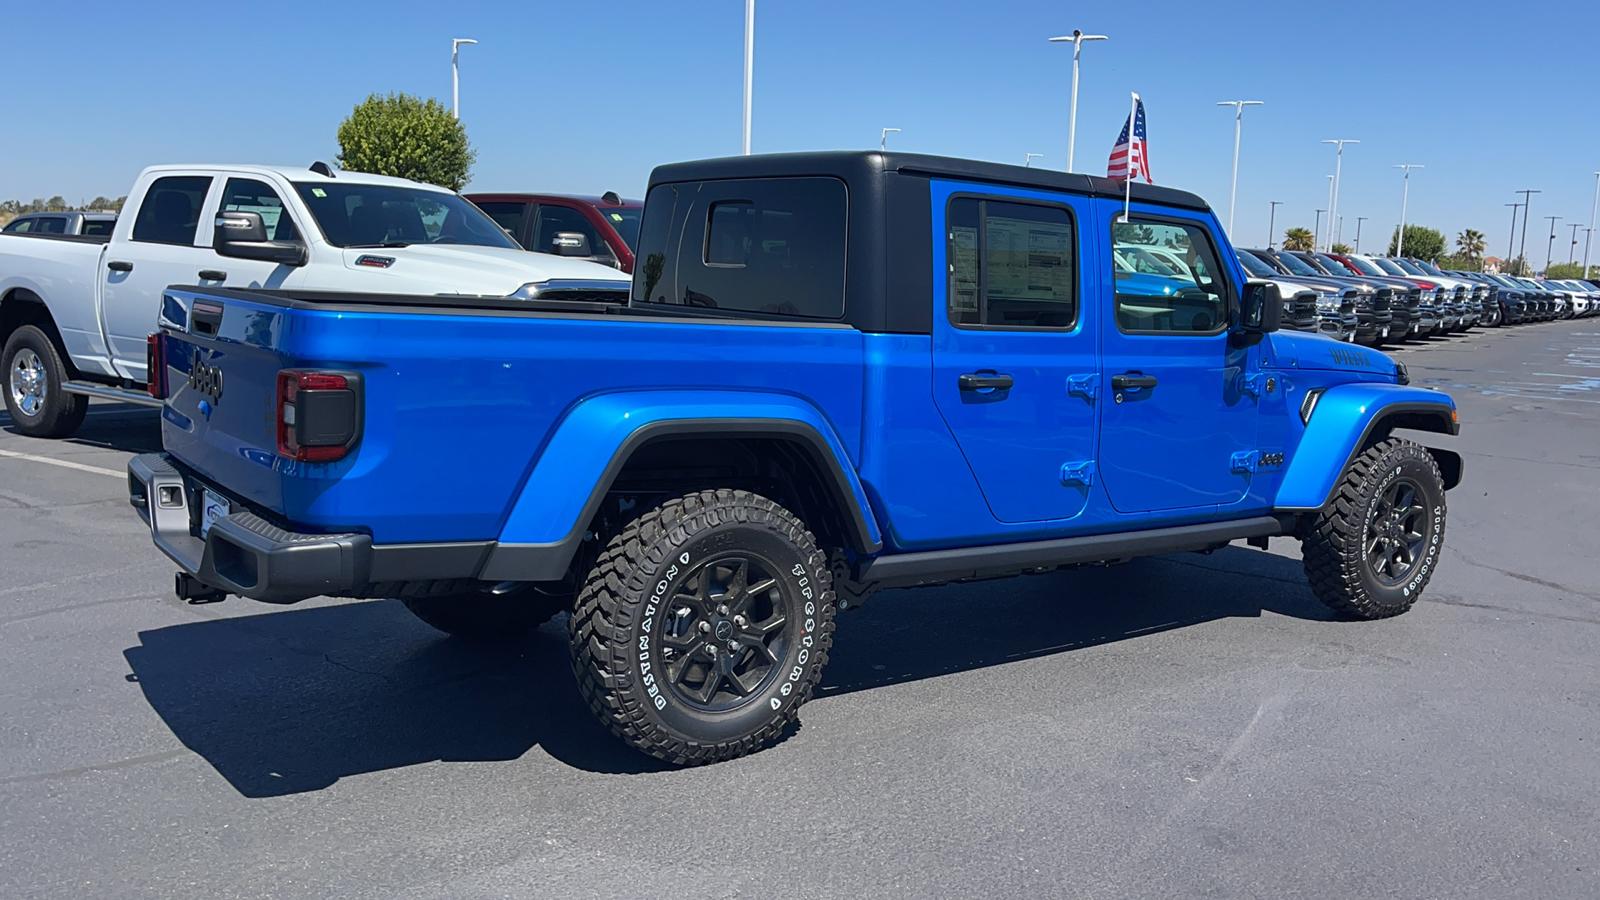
1012	265
170	212
250	195
554	220
1154	304
21	226
773	246
383	215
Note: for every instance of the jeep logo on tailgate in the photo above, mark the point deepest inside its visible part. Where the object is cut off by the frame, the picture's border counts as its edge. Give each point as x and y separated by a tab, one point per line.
206	379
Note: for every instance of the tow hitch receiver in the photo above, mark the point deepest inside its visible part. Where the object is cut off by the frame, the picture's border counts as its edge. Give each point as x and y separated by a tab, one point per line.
192	590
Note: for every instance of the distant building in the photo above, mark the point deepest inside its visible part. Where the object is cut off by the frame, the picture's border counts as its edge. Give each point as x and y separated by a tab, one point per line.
1492	263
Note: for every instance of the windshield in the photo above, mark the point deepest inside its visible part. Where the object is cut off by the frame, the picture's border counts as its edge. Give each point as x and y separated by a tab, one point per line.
1333	266
1255	266
1365	267
1388	266
380	215
626	222
1407	267
1429	268
1297	265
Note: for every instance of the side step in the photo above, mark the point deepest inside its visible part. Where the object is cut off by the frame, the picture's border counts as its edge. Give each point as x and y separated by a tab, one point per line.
107	392
935	566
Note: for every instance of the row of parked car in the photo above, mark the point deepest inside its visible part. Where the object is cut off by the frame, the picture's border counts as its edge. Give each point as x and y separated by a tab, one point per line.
1375	300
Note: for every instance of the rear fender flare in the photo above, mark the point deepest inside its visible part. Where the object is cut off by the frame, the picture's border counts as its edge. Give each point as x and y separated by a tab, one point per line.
595	439
1346	416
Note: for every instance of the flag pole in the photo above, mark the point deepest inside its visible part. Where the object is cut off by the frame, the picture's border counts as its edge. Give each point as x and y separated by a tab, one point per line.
1133	129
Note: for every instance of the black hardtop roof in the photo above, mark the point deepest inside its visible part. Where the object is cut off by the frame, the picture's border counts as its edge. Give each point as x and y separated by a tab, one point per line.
863	165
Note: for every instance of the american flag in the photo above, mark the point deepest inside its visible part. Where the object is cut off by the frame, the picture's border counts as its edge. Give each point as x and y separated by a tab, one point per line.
1130	159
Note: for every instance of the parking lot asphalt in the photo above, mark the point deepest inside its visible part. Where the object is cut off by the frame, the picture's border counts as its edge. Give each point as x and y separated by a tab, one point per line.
1188	726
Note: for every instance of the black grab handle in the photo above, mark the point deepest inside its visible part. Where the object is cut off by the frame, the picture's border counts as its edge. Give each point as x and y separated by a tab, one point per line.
1123	382
981	381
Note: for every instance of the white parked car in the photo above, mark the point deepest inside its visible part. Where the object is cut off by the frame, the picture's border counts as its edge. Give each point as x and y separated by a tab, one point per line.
76	311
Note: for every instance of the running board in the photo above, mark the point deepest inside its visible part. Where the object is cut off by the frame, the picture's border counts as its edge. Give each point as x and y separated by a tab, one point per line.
935	566
107	392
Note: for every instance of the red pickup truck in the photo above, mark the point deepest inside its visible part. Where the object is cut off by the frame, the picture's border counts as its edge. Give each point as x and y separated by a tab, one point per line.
608	224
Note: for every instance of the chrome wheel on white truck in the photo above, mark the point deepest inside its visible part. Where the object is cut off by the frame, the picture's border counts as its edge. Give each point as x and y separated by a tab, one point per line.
36	377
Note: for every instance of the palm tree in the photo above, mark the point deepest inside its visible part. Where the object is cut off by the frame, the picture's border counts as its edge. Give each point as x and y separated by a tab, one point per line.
1297	239
1471	244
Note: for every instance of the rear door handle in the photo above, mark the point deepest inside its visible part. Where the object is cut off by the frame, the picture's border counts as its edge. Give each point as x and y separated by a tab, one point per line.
117	265
1132	380
984	381
213	275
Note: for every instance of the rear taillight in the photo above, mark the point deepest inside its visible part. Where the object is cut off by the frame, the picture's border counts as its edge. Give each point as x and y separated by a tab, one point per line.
319	414
155	365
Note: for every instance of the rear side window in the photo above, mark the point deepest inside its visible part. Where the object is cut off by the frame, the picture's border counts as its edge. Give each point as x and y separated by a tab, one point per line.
1012	265
52	225
774	246
250	195
508	214
171	210
1191	301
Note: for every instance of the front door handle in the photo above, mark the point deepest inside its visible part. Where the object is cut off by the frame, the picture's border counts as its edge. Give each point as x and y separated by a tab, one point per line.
117	265
1132	380
213	275
984	381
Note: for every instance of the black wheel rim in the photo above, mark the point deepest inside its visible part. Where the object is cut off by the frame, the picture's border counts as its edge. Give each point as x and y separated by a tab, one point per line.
725	631
1397	532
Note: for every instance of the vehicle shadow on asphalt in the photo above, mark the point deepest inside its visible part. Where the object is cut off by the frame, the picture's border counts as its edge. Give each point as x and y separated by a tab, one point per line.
291	701
111	426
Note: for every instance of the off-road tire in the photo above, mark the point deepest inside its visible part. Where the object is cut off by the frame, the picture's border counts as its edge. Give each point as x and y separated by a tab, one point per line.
1335	547
651	589
62	412
480	615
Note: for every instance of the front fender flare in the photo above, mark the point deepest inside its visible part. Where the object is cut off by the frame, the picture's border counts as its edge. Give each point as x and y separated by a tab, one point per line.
594	440
1344	418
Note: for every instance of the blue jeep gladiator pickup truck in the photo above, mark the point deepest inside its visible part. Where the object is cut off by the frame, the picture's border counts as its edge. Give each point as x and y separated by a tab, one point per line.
836	372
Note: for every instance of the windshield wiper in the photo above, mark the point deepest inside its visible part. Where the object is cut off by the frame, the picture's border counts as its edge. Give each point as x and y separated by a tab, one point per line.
377	246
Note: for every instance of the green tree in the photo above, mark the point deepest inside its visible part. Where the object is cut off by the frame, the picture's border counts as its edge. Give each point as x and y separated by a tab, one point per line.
1567	270
406	137
1421	242
1518	267
1340	248
1471	243
1297	239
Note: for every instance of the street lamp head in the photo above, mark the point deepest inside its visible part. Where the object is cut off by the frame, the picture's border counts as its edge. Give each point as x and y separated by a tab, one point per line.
459	41
1077	37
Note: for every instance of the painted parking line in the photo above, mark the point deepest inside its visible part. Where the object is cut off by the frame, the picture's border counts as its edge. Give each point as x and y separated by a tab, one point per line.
65	464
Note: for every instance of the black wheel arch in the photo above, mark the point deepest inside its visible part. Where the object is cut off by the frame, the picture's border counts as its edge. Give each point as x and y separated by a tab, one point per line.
21	307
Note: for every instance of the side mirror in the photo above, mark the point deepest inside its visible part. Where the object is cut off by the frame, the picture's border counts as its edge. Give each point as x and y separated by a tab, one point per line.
1260	308
242	235
570	243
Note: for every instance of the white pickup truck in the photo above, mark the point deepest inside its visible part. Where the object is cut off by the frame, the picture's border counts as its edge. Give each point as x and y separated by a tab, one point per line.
76	311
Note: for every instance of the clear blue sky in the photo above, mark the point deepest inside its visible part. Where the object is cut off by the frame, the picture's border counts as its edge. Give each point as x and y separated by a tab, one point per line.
588	96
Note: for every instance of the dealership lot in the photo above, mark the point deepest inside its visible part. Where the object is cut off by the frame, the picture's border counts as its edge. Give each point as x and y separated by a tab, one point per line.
1182	726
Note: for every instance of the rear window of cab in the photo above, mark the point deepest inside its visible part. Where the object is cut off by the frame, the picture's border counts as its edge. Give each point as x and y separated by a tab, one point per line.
768	246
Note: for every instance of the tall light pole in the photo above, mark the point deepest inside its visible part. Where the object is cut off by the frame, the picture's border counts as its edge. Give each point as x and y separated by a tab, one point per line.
1076	40
1238	120
1590	233
883	139
1572	255
1405	195
1511	244
455	74
1338	166
1330	209
749	65
1527	207
1551	246
1272	222
1359	220
1028	162
1338	233
1316	230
